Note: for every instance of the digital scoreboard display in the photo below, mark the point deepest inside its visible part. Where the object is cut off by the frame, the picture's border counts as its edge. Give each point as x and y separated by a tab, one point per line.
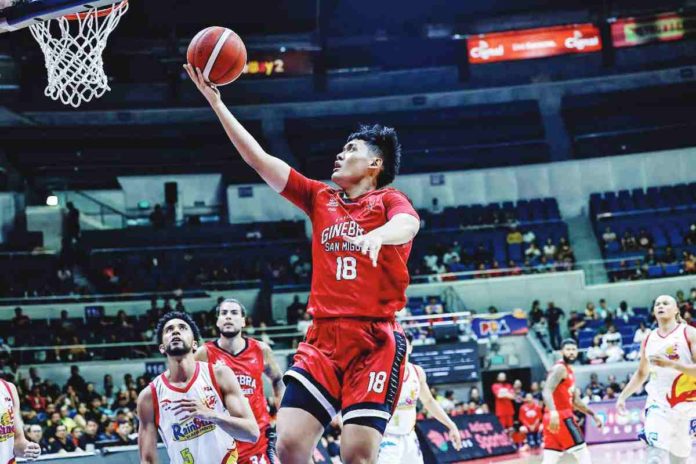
270	64
448	363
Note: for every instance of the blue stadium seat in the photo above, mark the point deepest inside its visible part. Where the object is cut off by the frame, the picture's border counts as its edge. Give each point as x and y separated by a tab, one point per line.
672	269
655	270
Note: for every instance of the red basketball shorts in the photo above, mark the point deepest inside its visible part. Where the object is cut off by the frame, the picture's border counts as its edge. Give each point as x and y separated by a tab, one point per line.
569	436
352	365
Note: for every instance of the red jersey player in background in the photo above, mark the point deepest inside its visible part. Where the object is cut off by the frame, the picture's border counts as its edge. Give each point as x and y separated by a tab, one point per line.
352	359
249	359
504	394
530	418
561	430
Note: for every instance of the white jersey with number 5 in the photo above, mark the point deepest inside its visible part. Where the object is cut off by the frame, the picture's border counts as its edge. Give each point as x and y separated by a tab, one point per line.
668	387
192	441
404	419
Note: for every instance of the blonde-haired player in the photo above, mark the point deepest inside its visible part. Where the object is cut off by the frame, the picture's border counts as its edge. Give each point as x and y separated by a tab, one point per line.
400	443
668	362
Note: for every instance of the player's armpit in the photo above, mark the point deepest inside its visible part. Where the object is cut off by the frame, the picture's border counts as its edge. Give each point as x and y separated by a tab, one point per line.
147	429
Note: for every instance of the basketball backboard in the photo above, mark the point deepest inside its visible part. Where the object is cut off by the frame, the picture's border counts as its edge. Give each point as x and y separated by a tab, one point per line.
17	14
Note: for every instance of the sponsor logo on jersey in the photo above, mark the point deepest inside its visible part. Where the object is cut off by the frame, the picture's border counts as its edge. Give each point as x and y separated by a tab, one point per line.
671	352
191	429
247	383
683	390
342	229
332	204
7	427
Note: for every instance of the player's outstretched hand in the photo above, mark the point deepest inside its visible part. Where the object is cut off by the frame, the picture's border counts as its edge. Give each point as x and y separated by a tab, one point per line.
369	244
598	421
188	408
554	422
209	90
455	437
31	451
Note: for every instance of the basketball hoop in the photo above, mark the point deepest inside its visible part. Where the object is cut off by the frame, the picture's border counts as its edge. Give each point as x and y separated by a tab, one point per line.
74	57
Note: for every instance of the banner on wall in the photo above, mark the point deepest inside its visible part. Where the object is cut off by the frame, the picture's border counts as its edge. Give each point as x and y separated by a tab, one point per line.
664	27
616	427
482	436
503	324
533	43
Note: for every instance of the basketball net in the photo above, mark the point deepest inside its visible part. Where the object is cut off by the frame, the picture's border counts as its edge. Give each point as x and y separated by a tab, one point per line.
74	56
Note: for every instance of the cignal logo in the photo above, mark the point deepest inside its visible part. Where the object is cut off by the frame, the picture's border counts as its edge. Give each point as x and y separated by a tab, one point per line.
578	42
485	52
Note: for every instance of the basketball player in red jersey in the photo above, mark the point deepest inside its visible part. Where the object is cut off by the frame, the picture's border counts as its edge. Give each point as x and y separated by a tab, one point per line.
561	431
352	359
249	359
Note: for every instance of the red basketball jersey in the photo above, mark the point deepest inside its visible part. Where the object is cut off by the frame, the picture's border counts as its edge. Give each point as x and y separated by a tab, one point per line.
344	281
248	367
563	394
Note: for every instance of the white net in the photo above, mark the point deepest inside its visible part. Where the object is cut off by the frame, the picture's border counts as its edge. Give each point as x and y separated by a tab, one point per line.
74	55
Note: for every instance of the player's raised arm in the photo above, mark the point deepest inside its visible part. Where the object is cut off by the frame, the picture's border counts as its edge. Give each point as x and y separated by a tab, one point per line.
435	410
556	376
240	423
147	430
273	171
637	380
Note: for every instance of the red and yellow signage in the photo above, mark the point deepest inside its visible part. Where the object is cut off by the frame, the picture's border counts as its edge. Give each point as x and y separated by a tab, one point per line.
534	43
664	27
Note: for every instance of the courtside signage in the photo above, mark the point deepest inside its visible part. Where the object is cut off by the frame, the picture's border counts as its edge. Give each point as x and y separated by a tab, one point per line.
664	27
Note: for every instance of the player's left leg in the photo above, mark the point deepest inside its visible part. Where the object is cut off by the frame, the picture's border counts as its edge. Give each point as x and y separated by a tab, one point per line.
413	453
551	457
359	444
582	455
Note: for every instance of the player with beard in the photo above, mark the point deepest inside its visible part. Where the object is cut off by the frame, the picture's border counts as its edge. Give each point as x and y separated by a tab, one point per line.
561	431
668	360
198	409
249	359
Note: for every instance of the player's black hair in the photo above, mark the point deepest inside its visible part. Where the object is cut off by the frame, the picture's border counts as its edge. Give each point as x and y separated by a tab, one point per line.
568	341
177	315
385	141
231	300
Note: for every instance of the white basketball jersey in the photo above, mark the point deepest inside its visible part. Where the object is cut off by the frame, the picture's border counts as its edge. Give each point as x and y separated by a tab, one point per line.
192	441
668	387
7	425
404	419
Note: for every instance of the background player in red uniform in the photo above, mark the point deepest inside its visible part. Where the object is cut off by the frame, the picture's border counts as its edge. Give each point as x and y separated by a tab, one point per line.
504	394
249	359
353	357
530	417
561	431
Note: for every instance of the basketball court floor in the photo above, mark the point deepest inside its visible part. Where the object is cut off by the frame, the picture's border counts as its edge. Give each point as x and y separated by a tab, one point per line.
610	453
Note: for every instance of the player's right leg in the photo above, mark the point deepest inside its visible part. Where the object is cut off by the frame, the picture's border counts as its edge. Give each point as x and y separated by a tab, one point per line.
298	434
551	457
391	450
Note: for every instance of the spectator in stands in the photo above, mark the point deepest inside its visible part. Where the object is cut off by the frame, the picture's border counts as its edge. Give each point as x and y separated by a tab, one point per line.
35	433
304	323
530	416
609	236
650	257
529	237
691	235
36	400
689	263
537	322
549	249
90	436
451	257
612	346
589	397
295	310
434	306
641	334
62	443
535	391
435	207
591	313
504	397
638	271
645	240
595	386
575	323
595	354
157	217
604	311
123	432
609	395
553	316
72	222
669	256
513	269
76	381
624	312
628	241
514	236
481	254
565	252
475	396
532	252
519	396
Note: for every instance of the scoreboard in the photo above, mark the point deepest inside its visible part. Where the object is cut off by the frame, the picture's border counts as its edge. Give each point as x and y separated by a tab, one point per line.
448	363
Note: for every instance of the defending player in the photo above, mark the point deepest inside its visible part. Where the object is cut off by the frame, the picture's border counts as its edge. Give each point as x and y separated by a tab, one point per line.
561	431
249	359
12	441
198	409
400	444
352	359
668	360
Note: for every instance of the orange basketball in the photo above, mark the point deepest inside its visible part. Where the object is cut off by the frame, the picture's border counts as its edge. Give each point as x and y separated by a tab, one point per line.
219	53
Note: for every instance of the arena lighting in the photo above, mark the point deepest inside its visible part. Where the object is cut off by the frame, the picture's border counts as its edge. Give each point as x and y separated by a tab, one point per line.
51	200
